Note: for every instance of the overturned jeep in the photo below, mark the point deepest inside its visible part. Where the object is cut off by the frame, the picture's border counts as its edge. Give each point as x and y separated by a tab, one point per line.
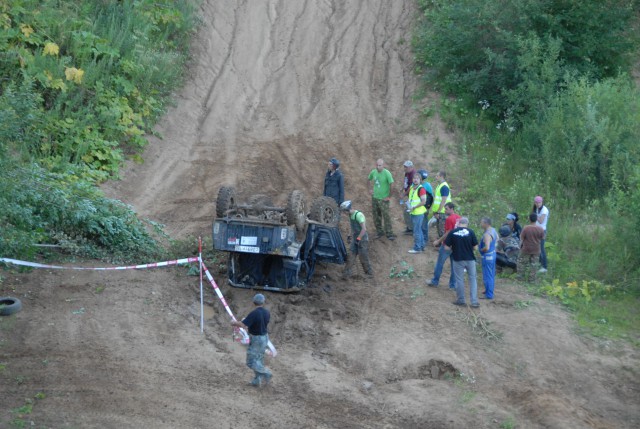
276	248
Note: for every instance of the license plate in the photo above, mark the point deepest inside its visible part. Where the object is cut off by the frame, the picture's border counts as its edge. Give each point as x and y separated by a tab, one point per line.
247	249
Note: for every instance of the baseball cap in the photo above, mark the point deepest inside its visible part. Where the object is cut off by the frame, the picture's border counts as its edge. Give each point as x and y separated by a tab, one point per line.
258	299
346	205
335	162
408	163
510	216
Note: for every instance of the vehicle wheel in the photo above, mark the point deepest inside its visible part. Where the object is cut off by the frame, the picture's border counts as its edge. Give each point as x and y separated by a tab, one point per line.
295	210
226	200
325	210
9	306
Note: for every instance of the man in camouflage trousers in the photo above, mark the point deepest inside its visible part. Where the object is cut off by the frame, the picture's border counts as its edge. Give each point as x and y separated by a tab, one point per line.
360	243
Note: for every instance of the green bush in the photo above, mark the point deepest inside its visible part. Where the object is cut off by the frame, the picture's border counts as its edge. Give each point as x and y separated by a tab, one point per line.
484	51
40	207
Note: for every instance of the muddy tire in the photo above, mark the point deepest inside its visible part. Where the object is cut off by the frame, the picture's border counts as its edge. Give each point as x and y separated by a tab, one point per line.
295	210
226	200
9	306
325	210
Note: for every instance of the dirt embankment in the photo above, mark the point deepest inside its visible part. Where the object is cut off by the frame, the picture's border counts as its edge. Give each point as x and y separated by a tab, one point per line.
275	89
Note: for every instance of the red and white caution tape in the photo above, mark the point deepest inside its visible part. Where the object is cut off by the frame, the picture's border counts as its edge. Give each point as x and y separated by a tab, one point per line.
128	267
242	336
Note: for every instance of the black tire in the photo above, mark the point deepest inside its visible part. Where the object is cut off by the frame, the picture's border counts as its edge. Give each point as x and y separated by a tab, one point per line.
226	200
295	210
9	306
325	210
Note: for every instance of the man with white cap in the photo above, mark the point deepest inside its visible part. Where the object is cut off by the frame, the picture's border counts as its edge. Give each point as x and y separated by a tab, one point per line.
360	243
256	324
409	172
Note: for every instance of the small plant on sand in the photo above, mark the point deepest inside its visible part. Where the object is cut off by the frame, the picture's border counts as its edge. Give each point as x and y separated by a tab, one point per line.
404	271
509	423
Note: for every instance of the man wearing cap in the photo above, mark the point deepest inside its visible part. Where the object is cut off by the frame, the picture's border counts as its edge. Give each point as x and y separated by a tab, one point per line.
381	179
256	324
461	242
360	243
441	197
409	172
334	182
512	222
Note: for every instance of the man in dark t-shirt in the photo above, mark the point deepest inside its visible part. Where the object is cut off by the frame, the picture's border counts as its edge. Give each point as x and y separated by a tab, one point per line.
256	324
462	242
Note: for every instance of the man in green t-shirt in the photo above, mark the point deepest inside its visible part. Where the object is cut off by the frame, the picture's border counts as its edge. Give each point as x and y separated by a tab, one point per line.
380	180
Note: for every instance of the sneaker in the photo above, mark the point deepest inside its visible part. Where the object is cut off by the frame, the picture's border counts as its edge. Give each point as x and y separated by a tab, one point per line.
475	305
414	251
431	283
408	232
459	303
391	237
542	270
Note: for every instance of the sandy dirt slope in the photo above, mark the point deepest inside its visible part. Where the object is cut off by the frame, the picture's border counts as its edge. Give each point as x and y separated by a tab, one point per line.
275	89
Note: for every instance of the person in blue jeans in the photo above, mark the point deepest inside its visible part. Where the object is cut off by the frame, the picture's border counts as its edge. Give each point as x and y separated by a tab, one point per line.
443	253
256	324
416	207
488	252
424	175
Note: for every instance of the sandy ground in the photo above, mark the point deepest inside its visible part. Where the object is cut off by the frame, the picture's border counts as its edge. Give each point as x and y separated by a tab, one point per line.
274	91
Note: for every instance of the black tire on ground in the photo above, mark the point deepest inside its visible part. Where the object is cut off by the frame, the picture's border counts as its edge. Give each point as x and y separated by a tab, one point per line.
295	210
9	306
226	200
325	210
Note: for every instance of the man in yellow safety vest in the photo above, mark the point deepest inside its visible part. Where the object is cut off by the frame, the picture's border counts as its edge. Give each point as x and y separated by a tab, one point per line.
416	208
441	197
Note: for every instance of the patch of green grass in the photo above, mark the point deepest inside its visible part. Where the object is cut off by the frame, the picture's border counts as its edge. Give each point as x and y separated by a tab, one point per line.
523	304
100	289
617	318
509	423
404	271
467	396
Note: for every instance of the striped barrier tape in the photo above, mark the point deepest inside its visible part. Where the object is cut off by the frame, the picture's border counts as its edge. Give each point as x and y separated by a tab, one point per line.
240	335
128	267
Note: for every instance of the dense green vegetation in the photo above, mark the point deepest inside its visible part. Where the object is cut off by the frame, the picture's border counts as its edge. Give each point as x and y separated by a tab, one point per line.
82	82
541	94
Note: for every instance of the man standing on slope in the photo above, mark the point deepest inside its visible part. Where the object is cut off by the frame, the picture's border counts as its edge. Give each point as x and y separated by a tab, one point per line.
381	179
417	210
443	253
409	172
359	244
334	182
256	324
462	242
530	239
488	252
427	187
441	197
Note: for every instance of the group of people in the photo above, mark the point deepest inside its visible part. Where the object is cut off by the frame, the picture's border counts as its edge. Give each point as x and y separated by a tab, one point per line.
513	246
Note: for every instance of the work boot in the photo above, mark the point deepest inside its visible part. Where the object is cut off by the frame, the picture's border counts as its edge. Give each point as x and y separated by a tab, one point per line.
391	237
255	382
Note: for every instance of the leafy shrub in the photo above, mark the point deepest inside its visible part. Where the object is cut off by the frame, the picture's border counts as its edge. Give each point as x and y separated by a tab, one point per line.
486	50
37	206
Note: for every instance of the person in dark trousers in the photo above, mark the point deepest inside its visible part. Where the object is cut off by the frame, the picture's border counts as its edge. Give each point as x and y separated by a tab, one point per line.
461	242
507	249
409	172
443	254
543	217
334	182
360	242
256	324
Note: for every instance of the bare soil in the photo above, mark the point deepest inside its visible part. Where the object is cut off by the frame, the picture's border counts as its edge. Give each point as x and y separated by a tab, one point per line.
275	89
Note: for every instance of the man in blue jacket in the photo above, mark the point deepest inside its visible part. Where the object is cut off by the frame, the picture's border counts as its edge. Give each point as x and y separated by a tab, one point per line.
334	182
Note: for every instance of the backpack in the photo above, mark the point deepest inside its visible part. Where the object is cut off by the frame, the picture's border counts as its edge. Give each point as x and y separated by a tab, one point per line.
429	202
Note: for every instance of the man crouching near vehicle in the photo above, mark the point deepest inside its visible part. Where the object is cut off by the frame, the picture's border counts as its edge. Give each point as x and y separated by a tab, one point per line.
256	324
